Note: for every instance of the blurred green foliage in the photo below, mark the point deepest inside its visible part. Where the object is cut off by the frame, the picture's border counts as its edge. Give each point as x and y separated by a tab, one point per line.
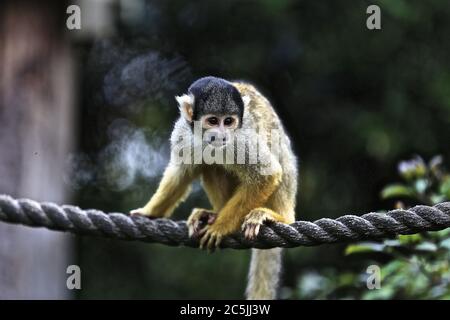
412	266
354	101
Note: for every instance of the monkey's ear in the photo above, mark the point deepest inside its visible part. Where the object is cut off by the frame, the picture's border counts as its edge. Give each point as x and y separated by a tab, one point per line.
246	100
186	105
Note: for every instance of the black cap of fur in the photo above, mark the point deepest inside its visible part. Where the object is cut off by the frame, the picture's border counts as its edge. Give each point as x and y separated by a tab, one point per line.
216	96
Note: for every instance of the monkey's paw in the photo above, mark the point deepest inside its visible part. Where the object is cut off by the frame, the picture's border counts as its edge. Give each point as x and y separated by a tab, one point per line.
139	211
253	222
142	212
211	238
198	220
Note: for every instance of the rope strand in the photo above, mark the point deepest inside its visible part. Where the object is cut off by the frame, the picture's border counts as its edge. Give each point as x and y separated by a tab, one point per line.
348	228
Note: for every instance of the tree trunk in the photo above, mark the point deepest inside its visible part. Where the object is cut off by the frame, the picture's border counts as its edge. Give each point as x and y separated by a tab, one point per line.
36	133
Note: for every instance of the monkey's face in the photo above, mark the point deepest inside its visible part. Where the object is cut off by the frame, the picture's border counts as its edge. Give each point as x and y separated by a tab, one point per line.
217	106
218	129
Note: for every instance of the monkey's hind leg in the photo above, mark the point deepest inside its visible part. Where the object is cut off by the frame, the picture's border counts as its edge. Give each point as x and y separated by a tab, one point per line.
256	218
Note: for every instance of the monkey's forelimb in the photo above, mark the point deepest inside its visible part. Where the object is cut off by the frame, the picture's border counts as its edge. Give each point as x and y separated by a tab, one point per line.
173	188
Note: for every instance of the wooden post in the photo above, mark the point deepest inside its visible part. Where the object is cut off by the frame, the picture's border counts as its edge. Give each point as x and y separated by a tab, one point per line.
36	135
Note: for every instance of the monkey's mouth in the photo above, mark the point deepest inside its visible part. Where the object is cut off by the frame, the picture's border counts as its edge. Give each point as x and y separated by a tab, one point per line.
216	142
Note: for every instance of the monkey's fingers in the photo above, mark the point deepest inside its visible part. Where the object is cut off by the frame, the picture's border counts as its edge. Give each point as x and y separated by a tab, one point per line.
202	231
251	230
210	241
204	240
256	230
199	220
198	230
193	228
136	212
214	245
248	231
214	242
141	212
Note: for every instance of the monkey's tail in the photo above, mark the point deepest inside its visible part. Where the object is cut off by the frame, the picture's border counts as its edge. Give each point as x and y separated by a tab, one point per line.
264	273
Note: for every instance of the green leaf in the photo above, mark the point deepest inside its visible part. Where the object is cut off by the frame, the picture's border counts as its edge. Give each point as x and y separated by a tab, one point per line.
421	185
427	246
435	198
347	279
392	243
364	247
445	188
392	267
385	293
442	234
445	244
396	190
410	238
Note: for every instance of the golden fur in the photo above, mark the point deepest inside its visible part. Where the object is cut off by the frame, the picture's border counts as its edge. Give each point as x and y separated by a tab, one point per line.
242	198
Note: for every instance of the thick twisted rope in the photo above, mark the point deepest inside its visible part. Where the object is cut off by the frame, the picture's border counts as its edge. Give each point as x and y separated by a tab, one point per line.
348	228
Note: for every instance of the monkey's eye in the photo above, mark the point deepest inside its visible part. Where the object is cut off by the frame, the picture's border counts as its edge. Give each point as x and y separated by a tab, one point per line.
228	121
213	121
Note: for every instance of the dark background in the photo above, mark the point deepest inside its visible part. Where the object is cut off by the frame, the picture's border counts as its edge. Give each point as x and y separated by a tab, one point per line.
354	101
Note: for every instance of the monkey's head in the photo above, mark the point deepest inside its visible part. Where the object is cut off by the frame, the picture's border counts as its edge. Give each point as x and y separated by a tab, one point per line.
217	105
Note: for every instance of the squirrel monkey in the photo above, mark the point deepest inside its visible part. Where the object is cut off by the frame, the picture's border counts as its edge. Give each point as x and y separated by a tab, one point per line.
242	194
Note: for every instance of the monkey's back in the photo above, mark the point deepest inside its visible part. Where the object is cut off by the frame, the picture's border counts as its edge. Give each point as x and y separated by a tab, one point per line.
260	112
